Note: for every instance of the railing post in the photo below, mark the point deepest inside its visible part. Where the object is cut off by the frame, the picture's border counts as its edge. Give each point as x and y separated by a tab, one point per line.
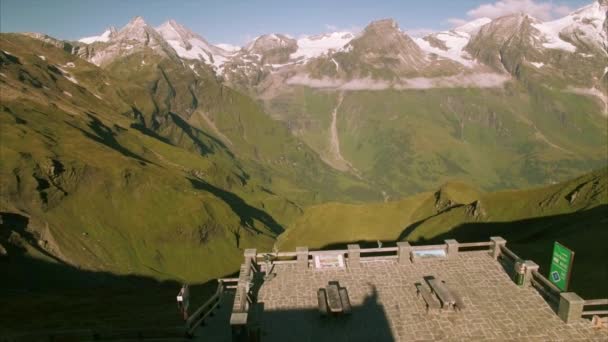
250	255
354	255
302	257
452	248
238	325
403	252
529	267
570	307
497	241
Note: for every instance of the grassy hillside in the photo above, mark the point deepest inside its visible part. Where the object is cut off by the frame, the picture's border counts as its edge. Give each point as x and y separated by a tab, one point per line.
406	142
113	172
574	212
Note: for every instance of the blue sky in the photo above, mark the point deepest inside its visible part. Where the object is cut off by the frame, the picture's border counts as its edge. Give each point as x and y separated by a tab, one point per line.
237	21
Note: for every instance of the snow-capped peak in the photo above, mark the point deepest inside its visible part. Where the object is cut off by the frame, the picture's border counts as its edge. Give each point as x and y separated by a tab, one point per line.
190	45
136	29
171	30
451	44
136	22
472	26
584	24
268	42
315	46
104	37
228	47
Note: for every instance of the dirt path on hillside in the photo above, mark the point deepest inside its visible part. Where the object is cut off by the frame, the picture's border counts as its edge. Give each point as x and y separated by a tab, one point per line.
337	159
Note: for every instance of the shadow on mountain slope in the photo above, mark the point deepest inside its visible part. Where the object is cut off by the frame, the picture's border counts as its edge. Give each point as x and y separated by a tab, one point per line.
246	212
39	295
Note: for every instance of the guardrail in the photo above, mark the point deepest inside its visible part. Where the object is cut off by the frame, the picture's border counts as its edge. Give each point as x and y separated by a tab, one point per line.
198	317
526	272
545	287
355	255
595	302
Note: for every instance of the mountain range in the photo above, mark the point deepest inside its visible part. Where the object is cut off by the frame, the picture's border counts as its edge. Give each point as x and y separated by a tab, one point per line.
142	149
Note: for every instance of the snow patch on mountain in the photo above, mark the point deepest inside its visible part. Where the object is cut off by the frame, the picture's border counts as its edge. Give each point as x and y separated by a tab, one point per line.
104	37
315	46
472	27
585	23
550	32
537	65
455	43
190	45
228	47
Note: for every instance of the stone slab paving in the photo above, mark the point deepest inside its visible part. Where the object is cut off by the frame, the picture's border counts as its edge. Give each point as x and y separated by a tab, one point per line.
386	307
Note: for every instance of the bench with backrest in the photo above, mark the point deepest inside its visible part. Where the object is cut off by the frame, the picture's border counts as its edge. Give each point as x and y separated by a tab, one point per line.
429	299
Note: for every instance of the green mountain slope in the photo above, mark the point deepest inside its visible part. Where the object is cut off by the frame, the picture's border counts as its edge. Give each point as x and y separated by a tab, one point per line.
408	141
113	171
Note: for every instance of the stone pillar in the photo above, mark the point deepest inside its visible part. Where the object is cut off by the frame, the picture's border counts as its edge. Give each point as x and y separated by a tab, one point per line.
403	252
302	257
529	267
354	255
250	256
497	241
452	248
570	307
238	325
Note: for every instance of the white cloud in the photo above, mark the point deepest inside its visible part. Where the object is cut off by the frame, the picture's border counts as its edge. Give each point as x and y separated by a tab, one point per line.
475	80
331	27
542	10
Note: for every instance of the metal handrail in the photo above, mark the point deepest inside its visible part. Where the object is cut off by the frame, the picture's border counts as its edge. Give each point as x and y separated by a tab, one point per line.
509	253
595	312
378	250
429	247
592	302
546	283
474	244
205	310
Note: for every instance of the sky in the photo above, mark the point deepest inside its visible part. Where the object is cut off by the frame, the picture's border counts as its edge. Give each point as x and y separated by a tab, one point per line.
238	21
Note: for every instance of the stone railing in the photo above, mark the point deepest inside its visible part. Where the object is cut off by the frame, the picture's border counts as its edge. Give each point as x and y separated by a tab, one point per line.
243	300
526	272
570	306
355	255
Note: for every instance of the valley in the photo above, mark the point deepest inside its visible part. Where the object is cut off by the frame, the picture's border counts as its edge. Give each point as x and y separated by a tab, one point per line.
147	157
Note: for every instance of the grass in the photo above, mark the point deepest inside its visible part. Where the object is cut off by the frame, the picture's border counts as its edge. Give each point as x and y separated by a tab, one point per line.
111	178
531	220
406	142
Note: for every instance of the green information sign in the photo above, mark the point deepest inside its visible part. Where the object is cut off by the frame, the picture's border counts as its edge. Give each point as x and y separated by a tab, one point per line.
561	266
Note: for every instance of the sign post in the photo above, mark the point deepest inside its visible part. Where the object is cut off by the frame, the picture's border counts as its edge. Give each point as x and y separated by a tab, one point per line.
561	266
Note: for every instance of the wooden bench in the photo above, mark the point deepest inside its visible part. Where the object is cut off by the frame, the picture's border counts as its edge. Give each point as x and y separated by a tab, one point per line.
346	307
322	298
442	292
429	299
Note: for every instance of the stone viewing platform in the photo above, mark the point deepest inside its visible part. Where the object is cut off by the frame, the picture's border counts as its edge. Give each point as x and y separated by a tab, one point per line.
381	286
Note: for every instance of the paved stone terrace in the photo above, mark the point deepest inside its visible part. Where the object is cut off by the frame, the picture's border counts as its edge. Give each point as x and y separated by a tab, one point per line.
386	307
